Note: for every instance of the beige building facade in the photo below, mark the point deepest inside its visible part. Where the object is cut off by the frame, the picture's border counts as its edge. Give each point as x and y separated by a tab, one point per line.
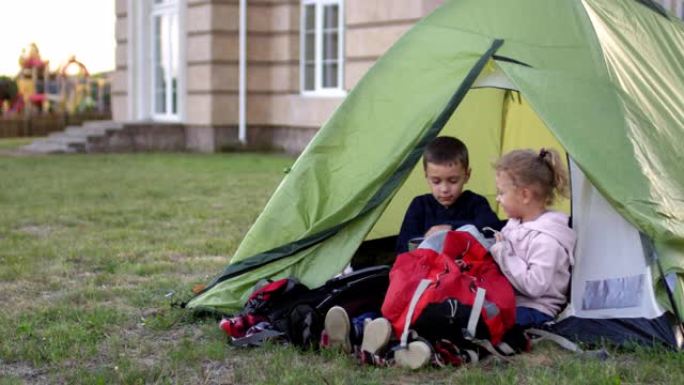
260	73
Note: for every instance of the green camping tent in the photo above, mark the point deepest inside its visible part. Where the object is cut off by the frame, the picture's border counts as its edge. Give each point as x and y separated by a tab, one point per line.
601	79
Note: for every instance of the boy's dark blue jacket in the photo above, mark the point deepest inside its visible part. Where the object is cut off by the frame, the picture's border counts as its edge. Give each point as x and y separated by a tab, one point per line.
425	211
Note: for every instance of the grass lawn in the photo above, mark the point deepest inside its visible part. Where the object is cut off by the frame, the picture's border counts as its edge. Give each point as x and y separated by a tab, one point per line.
13	143
94	249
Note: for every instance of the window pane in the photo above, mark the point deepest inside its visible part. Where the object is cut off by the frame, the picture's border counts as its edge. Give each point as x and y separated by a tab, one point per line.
310	46
173	61
310	17
330	47
174	96
165	63
159	69
330	75
330	16
309	77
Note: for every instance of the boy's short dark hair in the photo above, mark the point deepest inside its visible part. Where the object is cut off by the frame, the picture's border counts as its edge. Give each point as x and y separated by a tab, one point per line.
444	150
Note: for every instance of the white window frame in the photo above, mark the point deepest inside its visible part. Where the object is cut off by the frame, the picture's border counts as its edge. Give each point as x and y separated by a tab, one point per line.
318	89
169	8
140	56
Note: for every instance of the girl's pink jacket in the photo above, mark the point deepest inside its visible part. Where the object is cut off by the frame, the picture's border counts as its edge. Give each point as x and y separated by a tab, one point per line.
536	257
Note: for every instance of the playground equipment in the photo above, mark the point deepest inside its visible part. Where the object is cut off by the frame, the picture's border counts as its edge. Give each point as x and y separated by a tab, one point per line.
69	88
31	80
74	80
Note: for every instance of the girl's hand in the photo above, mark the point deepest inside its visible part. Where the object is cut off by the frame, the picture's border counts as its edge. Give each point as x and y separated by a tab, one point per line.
497	234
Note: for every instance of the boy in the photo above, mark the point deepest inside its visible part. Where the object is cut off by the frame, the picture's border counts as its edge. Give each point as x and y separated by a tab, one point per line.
445	162
448	207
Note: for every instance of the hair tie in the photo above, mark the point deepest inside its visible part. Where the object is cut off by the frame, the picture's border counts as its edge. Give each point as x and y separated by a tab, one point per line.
543	153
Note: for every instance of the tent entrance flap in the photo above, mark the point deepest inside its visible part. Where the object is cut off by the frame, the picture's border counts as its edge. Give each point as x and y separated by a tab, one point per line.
386	191
490	121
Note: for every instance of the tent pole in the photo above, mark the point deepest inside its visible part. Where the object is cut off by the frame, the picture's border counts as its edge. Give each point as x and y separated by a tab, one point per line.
649	250
670	295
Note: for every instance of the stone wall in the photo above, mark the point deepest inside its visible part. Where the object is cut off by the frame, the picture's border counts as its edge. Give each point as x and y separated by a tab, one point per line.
140	137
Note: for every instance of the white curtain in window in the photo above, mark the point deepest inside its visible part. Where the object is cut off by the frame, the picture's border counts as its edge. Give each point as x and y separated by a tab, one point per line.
165	58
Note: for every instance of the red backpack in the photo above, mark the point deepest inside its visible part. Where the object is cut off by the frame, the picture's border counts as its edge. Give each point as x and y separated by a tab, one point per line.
463	267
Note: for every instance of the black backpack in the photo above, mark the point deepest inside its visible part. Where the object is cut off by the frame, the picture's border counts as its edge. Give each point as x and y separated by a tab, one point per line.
297	313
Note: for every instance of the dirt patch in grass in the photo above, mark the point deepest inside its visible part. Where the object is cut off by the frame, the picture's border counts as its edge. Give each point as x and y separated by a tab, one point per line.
39	231
25	372
217	373
536	358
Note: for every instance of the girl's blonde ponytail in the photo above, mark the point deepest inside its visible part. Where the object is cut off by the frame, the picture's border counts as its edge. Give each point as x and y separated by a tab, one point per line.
544	171
560	175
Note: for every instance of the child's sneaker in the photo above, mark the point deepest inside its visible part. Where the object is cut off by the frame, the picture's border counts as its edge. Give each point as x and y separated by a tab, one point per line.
358	324
414	356
337	328
447	353
376	335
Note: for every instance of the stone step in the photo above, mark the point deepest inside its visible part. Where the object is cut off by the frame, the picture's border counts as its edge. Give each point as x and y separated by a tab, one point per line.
42	146
62	137
108	136
104	124
85	132
72	132
74	146
73	138
94	128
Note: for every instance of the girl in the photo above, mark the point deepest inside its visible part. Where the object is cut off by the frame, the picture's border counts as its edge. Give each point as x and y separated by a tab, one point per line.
535	248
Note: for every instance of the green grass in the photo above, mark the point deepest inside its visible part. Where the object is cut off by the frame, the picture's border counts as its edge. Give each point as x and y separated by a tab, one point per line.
14	143
95	249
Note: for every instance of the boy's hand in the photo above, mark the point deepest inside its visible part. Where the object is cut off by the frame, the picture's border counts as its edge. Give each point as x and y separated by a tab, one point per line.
437	228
